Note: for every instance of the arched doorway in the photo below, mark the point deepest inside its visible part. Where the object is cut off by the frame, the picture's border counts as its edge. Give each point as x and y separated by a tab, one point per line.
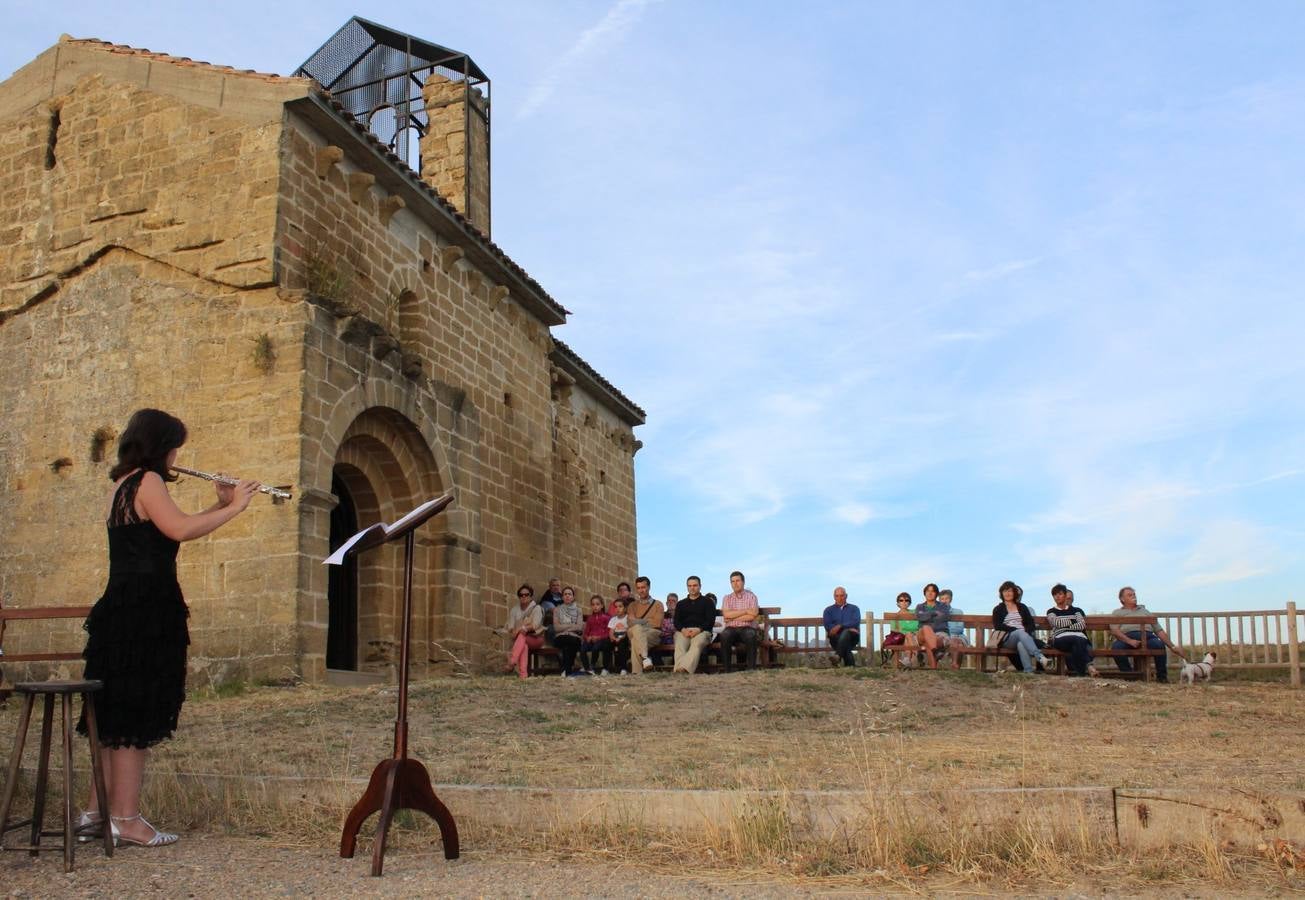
342	585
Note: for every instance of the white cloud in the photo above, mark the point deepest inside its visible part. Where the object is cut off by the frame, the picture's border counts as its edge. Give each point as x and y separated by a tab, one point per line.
1002	270
854	513
593	42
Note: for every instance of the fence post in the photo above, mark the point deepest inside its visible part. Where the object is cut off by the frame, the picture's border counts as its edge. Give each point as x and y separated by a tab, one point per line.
1293	645
871	644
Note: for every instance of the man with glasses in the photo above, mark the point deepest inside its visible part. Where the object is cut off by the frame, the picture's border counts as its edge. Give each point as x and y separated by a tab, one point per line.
843	627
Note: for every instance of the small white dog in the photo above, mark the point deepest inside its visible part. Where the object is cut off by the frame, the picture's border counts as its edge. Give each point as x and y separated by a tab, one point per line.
1194	672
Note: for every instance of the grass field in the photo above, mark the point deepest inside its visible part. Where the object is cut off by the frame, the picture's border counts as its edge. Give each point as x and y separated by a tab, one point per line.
799	729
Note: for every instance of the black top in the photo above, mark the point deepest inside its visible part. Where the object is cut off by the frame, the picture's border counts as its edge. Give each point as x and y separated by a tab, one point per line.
700	613
999	618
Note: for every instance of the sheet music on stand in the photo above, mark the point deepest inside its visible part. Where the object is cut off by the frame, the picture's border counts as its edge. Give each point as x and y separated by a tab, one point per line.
381	532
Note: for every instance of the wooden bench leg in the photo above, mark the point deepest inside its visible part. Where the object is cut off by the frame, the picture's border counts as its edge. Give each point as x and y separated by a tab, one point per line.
42	773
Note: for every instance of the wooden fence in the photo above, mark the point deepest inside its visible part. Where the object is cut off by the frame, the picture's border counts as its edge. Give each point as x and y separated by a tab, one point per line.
1249	639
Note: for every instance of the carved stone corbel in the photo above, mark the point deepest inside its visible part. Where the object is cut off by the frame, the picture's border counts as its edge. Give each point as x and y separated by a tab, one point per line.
359	183
327	157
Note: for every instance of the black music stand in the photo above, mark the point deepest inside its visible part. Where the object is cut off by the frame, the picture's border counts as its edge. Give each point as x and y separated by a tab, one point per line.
399	782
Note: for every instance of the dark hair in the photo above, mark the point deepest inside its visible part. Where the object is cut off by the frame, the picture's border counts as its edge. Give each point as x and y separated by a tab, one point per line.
622	602
643	579
150	435
1019	591
1125	588
903	596
738	573
946	592
925	589
623	584
526	587
711	597
693	578
599	598
1058	589
569	588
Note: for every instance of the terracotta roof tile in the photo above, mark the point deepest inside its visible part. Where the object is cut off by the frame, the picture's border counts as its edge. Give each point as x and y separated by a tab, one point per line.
184	61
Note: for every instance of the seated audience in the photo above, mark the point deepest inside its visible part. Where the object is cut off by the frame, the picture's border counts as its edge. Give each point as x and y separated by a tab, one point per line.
1130	636
906	630
594	641
622	593
645	615
1068	626
525	628
741	611
666	646
842	622
955	640
618	634
932	616
1015	621
568	624
693	620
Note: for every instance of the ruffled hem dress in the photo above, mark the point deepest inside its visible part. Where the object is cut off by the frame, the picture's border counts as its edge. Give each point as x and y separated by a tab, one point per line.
137	633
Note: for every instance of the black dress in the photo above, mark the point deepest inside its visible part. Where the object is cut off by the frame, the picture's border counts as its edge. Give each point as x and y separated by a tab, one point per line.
137	631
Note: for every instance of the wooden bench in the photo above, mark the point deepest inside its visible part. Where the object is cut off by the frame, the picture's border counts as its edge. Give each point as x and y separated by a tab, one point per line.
11	614
768	653
977	628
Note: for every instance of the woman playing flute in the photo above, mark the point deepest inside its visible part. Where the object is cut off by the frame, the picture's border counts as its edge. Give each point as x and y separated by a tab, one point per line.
137	634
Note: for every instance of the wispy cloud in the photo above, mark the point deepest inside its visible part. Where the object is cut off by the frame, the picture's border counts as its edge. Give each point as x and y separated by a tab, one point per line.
592	42
1001	271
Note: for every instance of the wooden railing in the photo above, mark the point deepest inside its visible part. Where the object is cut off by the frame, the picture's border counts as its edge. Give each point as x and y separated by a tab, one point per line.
1244	639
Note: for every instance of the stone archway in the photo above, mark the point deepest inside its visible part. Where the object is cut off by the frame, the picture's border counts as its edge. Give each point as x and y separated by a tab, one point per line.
389	461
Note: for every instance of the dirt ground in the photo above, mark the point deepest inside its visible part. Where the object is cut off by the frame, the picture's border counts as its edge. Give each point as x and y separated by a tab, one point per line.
205	866
798	728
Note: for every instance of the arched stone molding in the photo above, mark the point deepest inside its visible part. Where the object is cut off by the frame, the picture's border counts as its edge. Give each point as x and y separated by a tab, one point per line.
391	437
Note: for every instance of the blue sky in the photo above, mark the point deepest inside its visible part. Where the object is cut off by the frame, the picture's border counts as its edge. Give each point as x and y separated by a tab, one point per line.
911	292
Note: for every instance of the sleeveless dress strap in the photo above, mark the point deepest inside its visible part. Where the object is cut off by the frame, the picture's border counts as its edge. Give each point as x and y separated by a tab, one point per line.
124	502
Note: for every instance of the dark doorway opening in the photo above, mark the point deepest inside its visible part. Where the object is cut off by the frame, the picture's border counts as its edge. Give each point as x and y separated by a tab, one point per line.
342	586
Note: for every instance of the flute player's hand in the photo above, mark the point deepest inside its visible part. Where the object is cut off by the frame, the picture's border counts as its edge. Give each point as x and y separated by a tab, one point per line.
243	493
225	493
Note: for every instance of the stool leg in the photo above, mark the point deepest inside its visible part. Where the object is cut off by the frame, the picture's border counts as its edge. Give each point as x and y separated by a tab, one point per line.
42	773
69	840
11	779
97	771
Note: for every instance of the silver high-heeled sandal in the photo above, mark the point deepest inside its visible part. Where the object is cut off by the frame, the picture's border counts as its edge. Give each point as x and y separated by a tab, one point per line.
160	839
87	827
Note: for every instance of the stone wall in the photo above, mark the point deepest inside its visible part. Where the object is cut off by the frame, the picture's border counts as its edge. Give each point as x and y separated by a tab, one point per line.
449	161
404	313
594	536
138	271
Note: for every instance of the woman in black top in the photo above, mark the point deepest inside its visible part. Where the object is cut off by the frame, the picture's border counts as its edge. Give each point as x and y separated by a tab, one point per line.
136	632
1015	620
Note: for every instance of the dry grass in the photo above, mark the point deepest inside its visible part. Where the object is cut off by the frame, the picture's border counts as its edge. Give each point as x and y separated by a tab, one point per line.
862	730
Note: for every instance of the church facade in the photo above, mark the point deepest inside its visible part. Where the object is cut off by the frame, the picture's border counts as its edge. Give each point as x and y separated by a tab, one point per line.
237	249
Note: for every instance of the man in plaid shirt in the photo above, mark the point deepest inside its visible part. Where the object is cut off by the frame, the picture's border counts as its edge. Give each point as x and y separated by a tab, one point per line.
741	613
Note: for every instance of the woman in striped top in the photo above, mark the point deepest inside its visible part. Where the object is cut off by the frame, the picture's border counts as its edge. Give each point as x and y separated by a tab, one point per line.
1068	633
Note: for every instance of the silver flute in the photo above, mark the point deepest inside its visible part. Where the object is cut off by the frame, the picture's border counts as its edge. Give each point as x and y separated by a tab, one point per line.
279	493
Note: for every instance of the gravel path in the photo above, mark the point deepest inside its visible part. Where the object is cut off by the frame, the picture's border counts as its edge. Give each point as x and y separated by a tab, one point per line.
222	867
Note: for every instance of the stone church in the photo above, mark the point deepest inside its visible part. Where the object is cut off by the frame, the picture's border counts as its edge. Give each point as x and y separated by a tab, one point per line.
301	269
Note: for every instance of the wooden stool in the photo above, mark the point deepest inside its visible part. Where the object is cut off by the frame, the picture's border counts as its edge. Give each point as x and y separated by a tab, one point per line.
49	690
